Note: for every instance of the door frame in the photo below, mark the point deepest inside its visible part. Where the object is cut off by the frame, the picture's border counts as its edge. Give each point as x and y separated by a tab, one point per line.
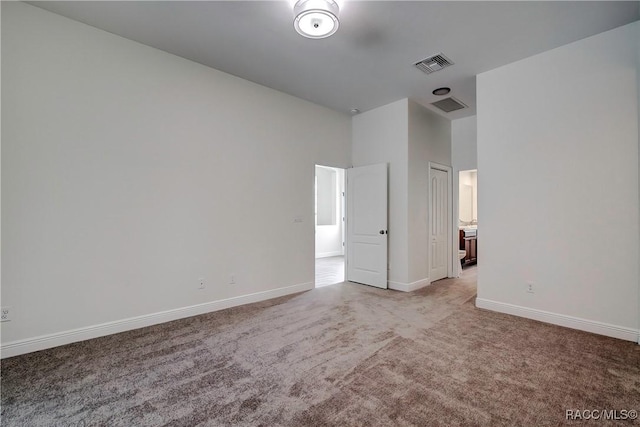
450	234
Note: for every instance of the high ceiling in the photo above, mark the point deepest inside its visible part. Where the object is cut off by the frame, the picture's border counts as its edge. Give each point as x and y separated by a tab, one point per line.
369	61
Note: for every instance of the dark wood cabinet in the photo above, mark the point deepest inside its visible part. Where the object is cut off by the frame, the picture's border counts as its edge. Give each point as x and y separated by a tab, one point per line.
470	244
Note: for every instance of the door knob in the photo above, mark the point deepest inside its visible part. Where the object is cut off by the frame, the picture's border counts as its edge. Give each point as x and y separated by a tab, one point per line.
383	231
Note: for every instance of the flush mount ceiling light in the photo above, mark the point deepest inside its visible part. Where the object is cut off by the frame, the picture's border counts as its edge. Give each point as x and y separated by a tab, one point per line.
316	19
441	91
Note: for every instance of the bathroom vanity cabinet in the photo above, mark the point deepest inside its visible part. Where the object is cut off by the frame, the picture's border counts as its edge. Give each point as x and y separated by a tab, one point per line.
469	242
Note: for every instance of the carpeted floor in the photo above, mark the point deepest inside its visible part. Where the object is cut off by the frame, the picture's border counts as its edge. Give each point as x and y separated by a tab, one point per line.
342	355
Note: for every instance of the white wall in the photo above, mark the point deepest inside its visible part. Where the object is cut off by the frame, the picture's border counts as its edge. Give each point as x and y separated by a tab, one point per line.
558	181
329	238
638	87
464	144
381	136
129	173
468	195
429	141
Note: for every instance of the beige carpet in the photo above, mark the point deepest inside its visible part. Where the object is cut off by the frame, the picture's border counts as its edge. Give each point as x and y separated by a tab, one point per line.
342	355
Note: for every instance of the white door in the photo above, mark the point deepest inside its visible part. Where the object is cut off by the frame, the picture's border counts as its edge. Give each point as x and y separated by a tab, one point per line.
367	225
439	189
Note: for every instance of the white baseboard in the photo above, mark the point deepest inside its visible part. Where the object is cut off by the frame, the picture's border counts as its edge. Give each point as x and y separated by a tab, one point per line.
621	332
409	287
328	254
15	348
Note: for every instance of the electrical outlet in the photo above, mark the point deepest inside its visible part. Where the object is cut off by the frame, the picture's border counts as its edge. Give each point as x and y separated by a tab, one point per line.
529	288
5	314
201	281
232	279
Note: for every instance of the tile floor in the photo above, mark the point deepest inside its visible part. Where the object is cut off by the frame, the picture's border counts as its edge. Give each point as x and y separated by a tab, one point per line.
329	271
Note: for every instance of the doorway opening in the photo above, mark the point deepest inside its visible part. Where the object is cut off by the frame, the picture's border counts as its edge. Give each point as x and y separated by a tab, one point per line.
329	225
468	217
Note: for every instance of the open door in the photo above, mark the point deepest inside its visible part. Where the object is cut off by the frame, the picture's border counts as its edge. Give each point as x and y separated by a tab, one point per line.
367	225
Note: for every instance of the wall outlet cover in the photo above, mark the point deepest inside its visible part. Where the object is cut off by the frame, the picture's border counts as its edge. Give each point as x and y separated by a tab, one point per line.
5	314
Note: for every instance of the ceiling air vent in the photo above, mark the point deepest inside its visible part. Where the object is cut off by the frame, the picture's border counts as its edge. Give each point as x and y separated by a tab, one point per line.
434	63
449	104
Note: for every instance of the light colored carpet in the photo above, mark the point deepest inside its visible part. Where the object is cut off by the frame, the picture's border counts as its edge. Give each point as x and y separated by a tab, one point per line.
343	355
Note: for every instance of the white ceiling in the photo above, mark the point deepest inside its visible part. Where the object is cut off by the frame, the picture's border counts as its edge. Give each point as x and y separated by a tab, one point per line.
369	61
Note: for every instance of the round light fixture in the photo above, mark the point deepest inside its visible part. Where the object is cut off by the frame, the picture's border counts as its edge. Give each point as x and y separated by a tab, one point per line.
441	91
316	19
354	111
